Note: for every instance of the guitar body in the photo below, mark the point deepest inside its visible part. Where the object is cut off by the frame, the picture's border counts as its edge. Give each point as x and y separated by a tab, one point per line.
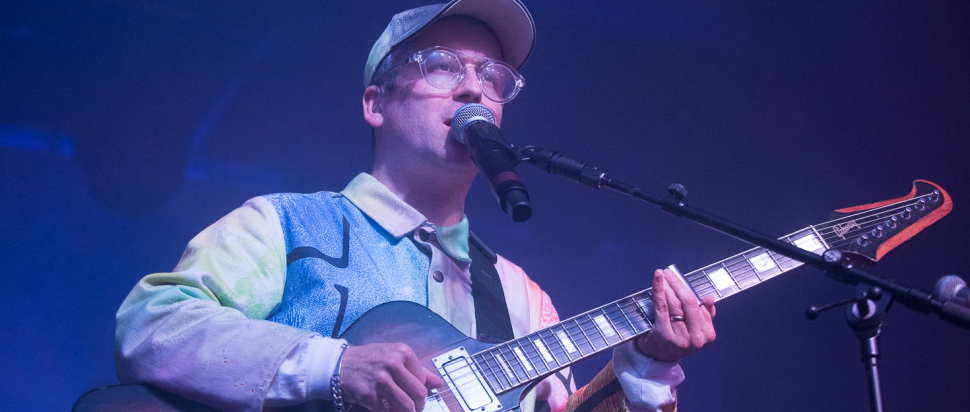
427	334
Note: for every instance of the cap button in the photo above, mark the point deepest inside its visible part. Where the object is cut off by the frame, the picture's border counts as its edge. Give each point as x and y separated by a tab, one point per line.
438	276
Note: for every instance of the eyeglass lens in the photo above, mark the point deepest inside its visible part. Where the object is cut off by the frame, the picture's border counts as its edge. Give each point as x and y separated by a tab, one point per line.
443	68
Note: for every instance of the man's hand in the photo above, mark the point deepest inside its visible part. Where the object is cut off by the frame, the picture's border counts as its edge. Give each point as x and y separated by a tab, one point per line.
671	340
385	377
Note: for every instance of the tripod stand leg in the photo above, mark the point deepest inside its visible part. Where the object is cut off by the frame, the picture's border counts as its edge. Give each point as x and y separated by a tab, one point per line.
870	357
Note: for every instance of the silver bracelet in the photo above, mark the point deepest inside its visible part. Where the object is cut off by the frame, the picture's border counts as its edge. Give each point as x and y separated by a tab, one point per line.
338	399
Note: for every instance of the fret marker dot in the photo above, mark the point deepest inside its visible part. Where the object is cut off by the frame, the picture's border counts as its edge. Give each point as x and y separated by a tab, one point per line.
809	243
763	262
721	279
566	342
604	326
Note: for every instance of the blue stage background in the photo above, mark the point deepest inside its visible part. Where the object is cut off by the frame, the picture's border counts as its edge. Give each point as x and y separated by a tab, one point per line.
128	127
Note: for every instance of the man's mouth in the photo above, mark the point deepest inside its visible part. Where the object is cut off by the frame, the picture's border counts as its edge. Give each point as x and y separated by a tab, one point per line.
448	122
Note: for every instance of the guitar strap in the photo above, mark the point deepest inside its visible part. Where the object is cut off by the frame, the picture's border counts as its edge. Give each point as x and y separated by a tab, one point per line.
491	311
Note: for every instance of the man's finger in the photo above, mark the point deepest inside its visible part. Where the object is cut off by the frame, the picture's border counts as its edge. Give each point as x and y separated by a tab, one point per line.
413	386
432	380
709	305
396	399
684	293
660	307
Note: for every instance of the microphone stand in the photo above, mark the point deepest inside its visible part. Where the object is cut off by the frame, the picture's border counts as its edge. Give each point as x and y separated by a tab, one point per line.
866	322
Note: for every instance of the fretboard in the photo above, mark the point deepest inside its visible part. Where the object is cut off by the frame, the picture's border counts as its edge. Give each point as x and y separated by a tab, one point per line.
520	361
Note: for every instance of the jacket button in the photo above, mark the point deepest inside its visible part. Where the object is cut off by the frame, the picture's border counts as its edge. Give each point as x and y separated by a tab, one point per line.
438	276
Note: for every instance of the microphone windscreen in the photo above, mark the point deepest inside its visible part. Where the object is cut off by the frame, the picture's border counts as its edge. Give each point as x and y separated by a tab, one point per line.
948	286
465	115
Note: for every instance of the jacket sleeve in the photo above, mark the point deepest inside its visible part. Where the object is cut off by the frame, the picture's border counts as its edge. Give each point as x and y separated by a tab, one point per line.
200	331
630	382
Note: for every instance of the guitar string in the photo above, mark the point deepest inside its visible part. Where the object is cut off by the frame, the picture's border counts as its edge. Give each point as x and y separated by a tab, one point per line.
882	214
874	220
534	357
741	275
864	227
706	286
853	216
580	322
583	321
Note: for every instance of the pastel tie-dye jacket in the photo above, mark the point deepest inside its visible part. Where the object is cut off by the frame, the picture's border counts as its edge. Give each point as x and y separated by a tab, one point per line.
251	289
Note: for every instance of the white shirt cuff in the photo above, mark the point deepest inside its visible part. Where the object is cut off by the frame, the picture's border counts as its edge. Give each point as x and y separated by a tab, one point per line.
305	373
647	383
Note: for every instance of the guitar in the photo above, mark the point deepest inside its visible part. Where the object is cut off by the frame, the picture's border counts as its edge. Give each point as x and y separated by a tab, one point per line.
483	377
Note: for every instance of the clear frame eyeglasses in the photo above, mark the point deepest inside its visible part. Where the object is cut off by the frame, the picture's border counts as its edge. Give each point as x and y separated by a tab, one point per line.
444	68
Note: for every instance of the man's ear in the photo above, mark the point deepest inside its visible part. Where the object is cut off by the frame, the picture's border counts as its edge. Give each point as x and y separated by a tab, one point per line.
372	106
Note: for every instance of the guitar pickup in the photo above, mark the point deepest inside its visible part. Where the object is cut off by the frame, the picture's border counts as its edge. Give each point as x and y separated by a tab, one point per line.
465	381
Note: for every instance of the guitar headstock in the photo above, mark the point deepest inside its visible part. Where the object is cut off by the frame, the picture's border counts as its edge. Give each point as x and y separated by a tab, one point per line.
873	229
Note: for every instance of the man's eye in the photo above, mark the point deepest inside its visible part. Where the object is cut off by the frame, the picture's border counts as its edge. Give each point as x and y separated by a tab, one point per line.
441	68
488	77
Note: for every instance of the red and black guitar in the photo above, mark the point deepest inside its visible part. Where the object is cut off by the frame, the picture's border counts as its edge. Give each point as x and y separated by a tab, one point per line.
482	377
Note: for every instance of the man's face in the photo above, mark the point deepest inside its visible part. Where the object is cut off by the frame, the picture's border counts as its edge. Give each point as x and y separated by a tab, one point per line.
417	116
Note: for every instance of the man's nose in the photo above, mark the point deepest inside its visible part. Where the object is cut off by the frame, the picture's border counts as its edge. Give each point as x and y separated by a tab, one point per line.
469	90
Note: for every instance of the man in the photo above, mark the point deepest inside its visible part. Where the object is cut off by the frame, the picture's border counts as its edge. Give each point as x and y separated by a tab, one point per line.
249	318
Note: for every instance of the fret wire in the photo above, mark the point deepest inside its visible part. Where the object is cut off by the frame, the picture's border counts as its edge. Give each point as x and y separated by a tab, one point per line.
628	323
707	277
518	361
632	326
819	237
574	335
538	356
746	258
552	350
489	371
699	281
643	310
631	316
609	321
497	376
785	260
509	365
585	336
728	271
479	359
504	367
598	331
521	357
709	290
559	342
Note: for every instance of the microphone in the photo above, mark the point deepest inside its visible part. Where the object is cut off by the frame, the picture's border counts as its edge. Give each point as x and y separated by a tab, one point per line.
474	125
951	288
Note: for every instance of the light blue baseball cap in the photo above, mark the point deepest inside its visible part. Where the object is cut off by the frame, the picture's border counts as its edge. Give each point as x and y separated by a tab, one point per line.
508	19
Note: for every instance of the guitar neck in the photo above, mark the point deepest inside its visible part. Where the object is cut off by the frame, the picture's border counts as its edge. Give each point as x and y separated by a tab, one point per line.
538	354
520	361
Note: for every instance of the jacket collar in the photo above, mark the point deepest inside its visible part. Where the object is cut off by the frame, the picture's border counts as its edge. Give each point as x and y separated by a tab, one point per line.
399	218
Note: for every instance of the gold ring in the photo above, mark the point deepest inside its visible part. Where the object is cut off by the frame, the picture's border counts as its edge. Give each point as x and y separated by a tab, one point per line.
676	318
